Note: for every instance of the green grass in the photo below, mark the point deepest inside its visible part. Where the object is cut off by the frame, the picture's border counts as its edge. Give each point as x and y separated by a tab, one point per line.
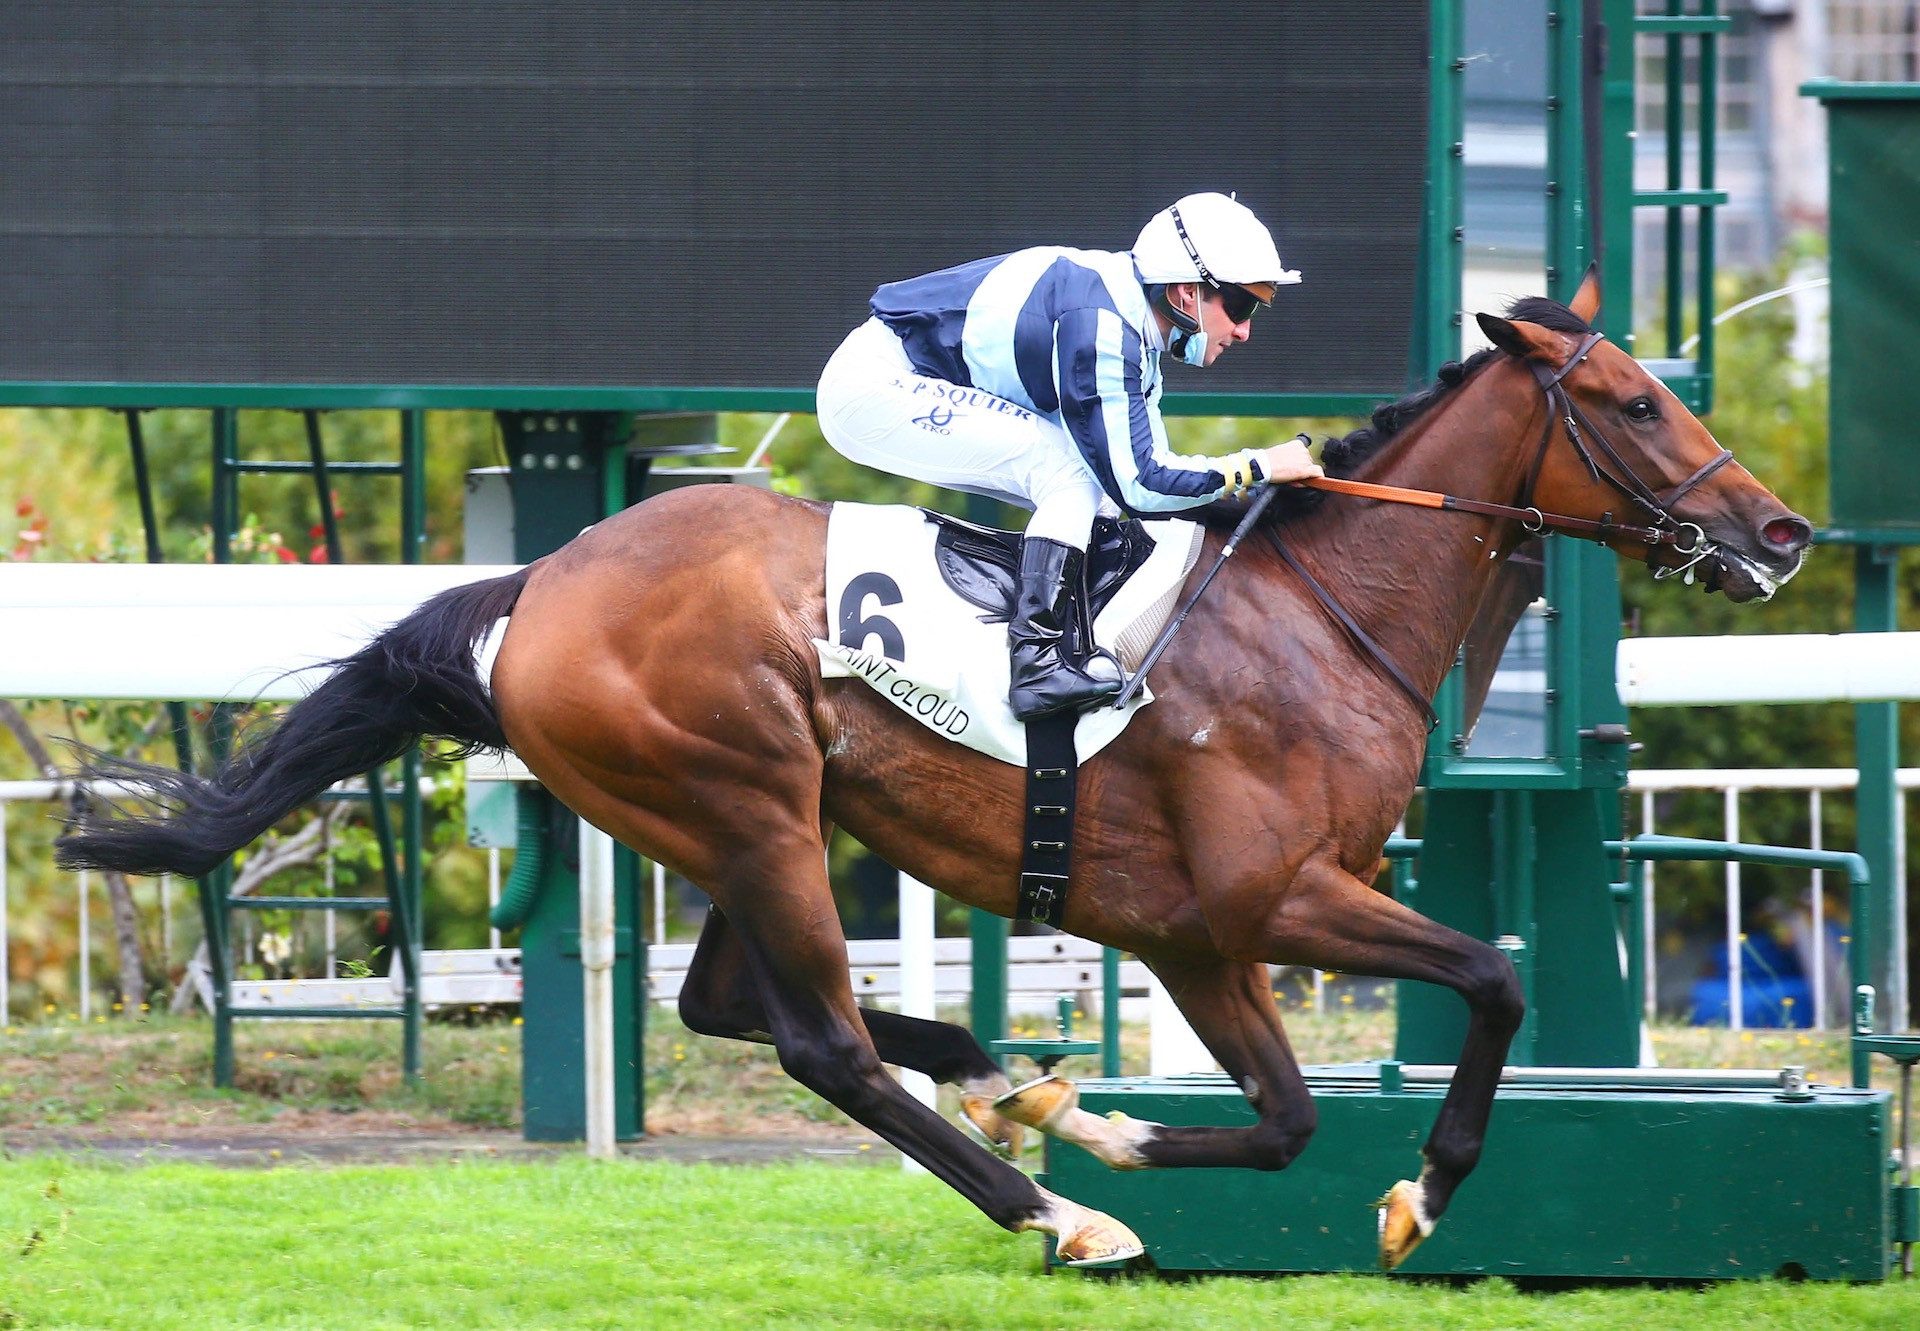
567	1243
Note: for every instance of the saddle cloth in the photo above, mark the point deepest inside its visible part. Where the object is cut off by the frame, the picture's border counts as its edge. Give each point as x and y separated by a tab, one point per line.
898	621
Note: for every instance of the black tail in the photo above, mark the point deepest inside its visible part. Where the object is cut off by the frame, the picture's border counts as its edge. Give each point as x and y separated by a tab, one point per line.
414	681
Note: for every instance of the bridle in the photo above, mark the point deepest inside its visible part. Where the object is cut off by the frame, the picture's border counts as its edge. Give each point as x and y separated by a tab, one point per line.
1687	539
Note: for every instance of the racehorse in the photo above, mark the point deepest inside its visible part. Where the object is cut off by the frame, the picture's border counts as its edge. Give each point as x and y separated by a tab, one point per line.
658	676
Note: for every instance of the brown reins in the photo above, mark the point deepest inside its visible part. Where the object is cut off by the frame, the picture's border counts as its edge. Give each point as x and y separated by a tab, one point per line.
1686	538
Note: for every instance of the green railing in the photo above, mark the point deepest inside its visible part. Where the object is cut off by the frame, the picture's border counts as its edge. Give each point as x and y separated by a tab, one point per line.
1650	848
1860	936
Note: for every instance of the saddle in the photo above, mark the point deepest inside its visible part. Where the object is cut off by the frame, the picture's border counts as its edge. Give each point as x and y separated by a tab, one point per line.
980	565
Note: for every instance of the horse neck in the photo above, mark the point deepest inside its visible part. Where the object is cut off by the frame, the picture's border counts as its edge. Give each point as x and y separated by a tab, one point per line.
1413	577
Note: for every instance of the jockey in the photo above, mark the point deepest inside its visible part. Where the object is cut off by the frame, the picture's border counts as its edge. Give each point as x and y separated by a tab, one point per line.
1034	378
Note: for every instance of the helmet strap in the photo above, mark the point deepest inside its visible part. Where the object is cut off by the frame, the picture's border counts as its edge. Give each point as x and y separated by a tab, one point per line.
1161	297
1185	342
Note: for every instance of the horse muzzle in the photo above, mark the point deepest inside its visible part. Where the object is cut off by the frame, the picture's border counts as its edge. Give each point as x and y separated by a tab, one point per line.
1745	563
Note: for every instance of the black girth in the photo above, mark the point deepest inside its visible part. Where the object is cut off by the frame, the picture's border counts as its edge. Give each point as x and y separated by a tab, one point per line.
1046	843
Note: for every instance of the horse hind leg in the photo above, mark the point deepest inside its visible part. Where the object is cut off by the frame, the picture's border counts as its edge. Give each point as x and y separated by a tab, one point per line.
721	998
776	896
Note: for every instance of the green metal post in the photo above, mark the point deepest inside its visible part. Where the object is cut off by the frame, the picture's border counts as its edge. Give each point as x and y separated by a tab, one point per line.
225	496
989	976
1676	159
410	890
406	928
1109	1012
1705	256
1877	755
1437	329
1568	230
213	914
218	884
408	895
1614	243
413	486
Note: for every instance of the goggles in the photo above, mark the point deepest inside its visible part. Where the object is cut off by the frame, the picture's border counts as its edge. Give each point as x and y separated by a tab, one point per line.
1238	302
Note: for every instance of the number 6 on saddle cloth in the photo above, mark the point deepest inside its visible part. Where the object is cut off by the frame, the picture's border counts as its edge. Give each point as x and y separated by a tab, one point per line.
917	603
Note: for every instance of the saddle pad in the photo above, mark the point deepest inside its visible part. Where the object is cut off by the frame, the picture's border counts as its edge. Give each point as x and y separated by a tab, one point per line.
896	624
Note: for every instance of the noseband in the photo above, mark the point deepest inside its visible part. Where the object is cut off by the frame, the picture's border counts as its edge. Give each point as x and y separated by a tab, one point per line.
1686	538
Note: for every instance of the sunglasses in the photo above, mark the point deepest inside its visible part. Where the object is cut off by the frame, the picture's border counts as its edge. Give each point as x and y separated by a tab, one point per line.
1238	302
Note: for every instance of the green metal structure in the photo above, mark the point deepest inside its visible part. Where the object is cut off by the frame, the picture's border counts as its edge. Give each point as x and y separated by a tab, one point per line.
567	470
1599	1173
1689	1179
1596	1168
1873	135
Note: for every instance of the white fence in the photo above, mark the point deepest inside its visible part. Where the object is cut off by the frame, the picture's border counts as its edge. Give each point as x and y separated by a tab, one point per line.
1039	969
1041	966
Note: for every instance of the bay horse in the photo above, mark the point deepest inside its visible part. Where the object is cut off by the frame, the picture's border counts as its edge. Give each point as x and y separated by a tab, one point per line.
658	676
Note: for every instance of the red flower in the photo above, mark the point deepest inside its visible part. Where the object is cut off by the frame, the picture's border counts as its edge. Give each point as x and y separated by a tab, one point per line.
286	556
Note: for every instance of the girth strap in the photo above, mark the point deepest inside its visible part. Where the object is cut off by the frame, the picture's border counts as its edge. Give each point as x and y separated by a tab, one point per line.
1046	845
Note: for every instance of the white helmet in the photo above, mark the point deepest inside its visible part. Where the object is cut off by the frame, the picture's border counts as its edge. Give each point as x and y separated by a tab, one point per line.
1210	238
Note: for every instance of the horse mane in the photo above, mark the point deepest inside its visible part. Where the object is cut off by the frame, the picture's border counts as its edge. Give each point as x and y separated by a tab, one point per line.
1344	456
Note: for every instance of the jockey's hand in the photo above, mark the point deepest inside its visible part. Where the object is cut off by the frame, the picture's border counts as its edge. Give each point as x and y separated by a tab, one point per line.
1284	463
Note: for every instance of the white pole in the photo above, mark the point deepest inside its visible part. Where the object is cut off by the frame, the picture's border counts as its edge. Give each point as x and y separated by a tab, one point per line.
1173	1049
916	984
1902	999
1816	891
86	968
1649	952
1730	830
596	964
493	894
659	903
1774	668
166	922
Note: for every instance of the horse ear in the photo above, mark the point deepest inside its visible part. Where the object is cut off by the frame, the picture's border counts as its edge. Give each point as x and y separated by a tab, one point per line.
1586	301
1518	338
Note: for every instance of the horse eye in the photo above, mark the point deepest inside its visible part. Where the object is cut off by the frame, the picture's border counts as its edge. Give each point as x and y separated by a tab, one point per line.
1641	409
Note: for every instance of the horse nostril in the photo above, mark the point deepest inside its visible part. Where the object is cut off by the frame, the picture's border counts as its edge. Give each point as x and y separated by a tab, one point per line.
1788	534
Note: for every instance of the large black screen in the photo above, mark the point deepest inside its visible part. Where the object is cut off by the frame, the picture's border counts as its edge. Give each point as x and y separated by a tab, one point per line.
571	193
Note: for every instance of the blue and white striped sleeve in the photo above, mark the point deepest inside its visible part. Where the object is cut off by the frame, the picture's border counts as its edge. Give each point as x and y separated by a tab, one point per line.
1103	406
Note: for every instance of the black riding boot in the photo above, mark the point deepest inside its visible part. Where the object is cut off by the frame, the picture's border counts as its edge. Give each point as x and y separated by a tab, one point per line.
1048	674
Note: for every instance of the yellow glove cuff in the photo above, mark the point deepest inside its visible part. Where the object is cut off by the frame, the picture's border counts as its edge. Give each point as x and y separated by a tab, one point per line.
1240	469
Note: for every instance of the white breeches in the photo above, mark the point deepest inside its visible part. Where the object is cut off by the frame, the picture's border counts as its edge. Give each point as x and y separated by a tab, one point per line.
876	409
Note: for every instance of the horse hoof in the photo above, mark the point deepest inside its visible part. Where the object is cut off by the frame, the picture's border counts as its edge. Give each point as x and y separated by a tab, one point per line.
999	1134
1040	1103
1100	1241
1403	1223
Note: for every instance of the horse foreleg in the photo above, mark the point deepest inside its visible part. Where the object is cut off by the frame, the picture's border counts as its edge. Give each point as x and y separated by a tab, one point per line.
720	998
1230	1006
1331	920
